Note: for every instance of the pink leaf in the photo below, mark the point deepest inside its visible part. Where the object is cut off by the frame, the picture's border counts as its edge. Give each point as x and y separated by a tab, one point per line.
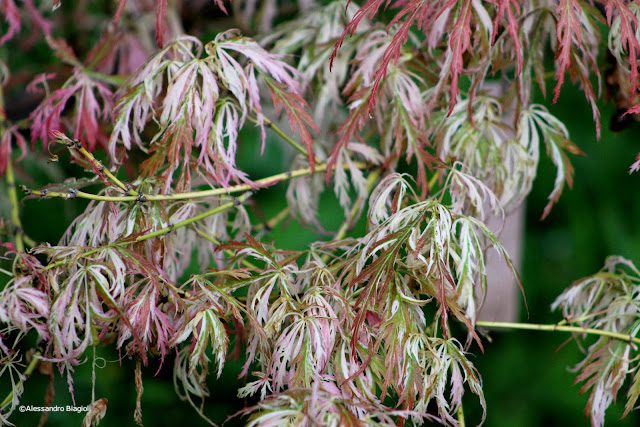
37	19
633	110
92	102
459	42
577	49
369	9
11	15
507	8
161	15
221	6
627	32
10	136
299	118
635	167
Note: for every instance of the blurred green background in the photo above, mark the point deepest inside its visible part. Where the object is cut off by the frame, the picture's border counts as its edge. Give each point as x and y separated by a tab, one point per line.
526	375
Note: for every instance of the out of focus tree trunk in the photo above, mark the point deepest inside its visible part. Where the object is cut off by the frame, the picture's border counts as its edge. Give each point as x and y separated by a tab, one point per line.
502	299
502	302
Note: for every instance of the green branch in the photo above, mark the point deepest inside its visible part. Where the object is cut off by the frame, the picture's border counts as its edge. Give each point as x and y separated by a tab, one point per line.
558	328
273	222
460	416
286	138
96	164
11	184
264	182
13	201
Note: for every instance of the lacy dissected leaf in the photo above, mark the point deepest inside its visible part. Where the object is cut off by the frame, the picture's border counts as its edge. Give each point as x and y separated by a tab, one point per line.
440	252
435	19
206	100
608	301
92	105
622	18
537	122
577	49
12	15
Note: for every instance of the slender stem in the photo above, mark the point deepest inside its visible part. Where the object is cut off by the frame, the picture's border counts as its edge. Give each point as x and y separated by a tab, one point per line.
560	328
11	183
158	233
273	222
433	180
166	230
195	218
13	201
264	182
461	421
106	171
28	240
115	80
72	194
93	375
27	372
286	138
281	216
97	165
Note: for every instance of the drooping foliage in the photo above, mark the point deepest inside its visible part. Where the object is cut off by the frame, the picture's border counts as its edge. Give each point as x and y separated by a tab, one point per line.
417	116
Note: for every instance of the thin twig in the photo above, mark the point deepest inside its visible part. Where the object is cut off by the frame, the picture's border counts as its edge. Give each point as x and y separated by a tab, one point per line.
461	421
281	133
286	138
264	182
559	328
15	211
11	184
97	164
273	222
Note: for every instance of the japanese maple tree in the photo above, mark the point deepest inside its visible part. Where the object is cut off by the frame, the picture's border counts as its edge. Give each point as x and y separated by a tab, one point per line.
416	115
